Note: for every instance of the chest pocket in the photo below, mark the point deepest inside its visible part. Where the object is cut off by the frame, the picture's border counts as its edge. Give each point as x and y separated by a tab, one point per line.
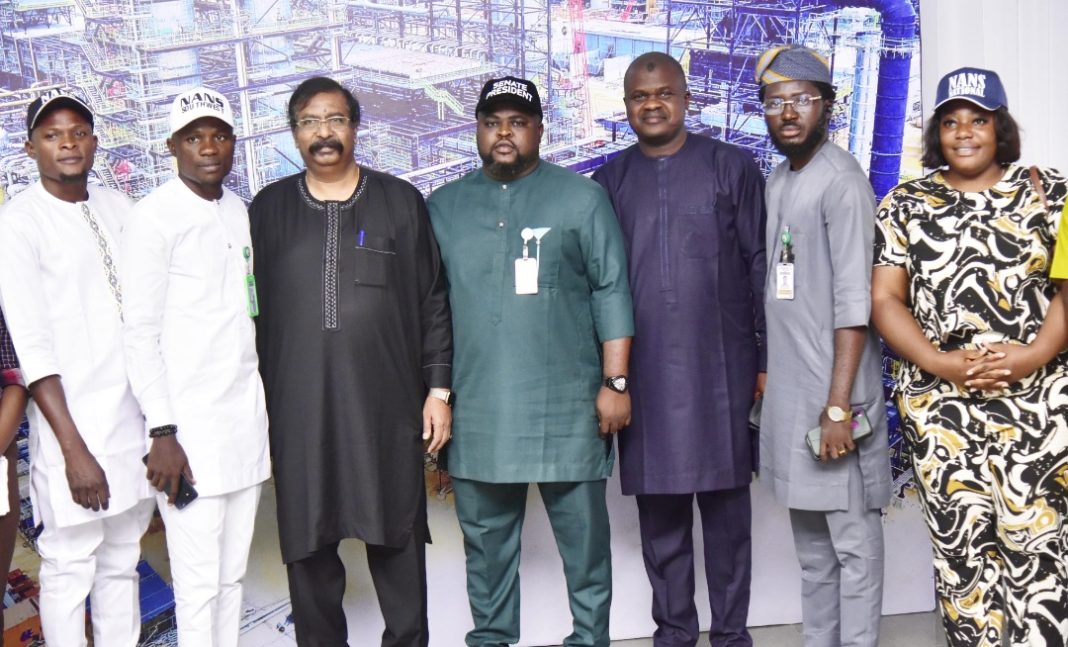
373	261
697	232
549	254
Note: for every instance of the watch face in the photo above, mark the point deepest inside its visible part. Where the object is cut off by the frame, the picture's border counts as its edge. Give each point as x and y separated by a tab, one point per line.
836	414
618	383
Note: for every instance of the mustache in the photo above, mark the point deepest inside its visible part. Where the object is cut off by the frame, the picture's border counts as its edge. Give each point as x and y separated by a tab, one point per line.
332	143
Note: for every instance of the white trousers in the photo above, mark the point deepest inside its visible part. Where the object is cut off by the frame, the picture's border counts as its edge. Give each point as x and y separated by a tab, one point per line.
96	559
841	557
208	543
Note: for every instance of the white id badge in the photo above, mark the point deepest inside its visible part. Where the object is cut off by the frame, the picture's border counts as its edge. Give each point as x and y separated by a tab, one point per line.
784	281
526	276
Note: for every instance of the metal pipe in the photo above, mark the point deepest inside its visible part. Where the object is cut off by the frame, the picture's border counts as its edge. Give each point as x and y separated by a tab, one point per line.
899	32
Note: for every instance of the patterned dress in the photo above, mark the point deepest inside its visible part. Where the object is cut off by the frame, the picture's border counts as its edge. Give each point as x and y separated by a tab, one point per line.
992	471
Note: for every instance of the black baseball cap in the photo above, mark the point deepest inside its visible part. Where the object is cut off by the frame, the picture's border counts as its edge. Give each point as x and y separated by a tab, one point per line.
512	90
51	100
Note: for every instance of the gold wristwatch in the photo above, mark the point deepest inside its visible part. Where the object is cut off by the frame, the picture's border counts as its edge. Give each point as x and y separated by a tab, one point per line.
838	414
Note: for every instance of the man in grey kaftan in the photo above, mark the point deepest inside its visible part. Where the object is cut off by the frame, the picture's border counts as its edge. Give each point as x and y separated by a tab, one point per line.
823	357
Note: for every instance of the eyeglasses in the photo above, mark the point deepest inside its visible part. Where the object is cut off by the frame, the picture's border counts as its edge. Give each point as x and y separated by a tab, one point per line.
801	103
311	124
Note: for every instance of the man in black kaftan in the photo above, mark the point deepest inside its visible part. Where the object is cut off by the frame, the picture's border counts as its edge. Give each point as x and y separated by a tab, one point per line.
355	346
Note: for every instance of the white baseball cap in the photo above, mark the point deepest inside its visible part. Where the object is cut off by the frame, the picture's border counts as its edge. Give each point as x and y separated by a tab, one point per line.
200	102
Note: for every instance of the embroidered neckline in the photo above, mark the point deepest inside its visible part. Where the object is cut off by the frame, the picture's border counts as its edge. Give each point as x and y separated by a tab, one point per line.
320	205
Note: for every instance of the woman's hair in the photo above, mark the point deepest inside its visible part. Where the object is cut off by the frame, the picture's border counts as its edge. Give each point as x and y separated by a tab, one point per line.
1006	132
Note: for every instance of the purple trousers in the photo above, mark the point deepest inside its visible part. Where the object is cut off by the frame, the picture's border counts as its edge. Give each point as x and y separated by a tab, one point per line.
666	522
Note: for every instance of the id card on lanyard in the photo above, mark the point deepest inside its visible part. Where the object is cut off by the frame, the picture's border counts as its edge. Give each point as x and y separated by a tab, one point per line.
526	268
252	300
784	270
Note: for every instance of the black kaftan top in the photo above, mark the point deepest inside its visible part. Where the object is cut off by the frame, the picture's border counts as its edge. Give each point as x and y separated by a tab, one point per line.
354	326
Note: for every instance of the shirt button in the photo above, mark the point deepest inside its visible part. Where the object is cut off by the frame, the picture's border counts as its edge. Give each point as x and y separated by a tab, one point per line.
500	225
504	187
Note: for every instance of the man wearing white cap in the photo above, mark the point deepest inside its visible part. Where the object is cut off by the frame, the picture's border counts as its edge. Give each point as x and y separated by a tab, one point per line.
190	344
63	302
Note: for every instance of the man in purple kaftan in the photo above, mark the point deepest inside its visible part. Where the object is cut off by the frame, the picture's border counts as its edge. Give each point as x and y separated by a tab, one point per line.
692	214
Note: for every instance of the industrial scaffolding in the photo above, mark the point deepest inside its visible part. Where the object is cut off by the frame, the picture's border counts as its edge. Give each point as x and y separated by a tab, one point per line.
417	68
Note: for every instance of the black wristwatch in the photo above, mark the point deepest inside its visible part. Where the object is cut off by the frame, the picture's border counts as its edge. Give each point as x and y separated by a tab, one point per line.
617	383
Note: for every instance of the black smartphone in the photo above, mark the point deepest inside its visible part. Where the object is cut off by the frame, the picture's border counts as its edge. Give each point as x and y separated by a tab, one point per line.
186	492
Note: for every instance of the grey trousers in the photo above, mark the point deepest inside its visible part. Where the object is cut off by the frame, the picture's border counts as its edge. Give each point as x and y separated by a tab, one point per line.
841	557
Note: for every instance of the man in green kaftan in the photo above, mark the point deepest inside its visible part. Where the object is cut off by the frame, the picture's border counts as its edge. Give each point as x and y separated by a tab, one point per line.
542	323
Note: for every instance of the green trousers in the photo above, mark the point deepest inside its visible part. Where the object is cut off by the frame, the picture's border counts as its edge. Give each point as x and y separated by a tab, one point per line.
491	517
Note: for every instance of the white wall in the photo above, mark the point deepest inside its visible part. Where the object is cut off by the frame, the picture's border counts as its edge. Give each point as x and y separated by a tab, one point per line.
1025	42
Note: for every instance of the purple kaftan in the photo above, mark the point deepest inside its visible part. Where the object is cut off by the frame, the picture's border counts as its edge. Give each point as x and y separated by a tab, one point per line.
694	229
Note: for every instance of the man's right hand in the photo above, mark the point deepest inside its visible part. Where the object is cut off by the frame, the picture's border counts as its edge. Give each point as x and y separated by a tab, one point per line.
166	462
88	484
836	438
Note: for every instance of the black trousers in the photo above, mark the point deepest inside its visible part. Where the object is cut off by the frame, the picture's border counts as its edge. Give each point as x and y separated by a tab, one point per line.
317	586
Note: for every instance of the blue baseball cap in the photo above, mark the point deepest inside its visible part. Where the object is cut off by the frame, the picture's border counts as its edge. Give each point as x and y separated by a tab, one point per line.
978	86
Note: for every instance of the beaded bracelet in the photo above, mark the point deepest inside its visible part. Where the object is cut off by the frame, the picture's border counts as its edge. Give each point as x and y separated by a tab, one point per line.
161	431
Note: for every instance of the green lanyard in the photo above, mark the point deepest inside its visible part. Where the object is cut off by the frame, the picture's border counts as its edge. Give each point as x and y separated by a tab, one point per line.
787	253
250	285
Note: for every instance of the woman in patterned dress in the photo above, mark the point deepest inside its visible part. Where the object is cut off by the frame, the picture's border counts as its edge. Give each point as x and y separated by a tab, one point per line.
961	290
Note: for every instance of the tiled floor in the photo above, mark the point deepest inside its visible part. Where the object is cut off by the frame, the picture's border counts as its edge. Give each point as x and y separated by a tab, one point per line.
910	630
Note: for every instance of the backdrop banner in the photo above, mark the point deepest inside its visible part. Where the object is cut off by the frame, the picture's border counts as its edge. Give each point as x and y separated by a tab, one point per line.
416	67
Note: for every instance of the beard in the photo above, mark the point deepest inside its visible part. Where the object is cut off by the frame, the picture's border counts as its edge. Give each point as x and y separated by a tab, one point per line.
507	171
74	178
808	144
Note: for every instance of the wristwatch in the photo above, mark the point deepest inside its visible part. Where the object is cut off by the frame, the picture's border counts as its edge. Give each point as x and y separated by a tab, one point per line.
838	414
445	395
617	383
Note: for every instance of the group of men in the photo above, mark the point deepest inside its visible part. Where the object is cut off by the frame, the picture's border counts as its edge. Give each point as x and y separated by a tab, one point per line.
516	322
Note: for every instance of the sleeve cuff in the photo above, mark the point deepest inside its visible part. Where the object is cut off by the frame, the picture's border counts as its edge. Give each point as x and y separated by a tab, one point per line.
158	413
614	320
11	377
852	315
438	376
33	372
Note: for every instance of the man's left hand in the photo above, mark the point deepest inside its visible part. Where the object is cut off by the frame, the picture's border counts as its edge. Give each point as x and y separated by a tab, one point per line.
613	411
437	423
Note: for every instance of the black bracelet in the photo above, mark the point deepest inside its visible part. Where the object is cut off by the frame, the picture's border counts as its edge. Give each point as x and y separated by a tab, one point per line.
164	430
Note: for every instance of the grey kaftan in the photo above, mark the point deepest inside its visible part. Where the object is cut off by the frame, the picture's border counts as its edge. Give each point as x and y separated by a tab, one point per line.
830	210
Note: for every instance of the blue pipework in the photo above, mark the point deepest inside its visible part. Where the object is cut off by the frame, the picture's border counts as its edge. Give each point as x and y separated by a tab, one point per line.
898	19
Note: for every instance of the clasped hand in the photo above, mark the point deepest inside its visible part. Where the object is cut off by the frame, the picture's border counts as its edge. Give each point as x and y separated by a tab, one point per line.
989	368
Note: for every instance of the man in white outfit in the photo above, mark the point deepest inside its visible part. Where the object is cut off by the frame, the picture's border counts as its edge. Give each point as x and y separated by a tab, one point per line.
61	295
190	346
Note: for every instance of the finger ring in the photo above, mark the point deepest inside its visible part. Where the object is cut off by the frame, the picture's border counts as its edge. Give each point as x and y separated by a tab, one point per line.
843	452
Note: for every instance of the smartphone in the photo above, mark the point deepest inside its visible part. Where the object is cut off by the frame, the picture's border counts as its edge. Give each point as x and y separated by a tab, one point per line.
186	492
754	415
861	430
